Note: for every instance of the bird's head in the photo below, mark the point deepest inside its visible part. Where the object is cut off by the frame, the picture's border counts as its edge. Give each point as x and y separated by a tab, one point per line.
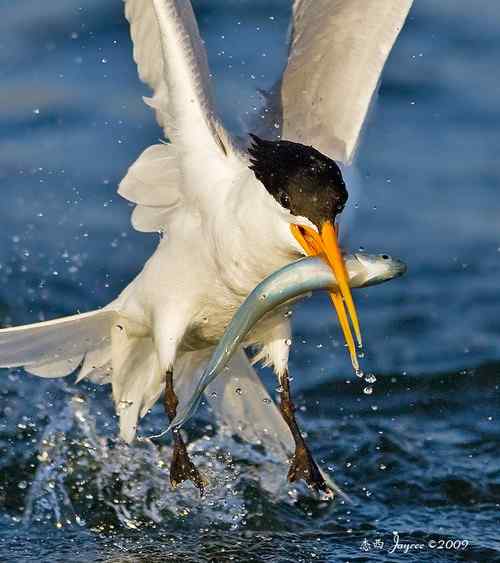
309	185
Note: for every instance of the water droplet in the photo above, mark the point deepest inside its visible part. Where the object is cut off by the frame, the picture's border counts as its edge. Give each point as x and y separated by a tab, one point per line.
370	378
368	390
239	391
22	485
359	372
288	341
213	394
266	401
382	466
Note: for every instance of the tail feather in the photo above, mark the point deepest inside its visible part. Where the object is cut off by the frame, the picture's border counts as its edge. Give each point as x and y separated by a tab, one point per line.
242	402
137	381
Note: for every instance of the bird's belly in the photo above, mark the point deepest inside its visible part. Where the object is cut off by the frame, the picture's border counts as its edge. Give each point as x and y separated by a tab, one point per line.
209	326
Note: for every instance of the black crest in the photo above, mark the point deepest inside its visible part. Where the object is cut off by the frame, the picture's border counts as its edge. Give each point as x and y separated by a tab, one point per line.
299	177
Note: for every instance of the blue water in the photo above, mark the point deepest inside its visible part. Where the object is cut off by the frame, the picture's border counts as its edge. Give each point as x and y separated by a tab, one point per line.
420	455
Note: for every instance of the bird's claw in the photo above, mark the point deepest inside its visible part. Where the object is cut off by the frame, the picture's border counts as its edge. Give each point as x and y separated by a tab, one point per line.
183	469
303	467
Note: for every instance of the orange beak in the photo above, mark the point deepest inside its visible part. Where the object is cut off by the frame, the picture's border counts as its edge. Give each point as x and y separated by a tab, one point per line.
327	245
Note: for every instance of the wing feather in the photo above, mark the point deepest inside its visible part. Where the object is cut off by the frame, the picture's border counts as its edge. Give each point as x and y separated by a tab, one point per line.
172	60
337	53
60	343
151	219
154	178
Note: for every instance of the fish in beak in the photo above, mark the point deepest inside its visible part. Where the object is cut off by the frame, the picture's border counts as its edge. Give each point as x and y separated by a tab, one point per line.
287	284
325	244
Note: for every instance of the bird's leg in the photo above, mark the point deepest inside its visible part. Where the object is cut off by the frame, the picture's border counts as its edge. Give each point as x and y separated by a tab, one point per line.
181	468
302	464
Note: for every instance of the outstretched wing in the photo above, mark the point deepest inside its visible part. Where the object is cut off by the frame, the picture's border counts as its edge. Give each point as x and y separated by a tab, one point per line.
338	49
55	348
172	60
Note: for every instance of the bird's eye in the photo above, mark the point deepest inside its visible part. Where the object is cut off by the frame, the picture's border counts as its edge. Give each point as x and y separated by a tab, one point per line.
284	199
340	208
385	257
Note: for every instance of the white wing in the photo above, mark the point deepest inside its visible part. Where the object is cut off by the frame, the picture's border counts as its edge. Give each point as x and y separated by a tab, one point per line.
55	348
338	49
172	60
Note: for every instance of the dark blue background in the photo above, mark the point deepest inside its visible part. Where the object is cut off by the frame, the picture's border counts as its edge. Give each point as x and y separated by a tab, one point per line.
72	121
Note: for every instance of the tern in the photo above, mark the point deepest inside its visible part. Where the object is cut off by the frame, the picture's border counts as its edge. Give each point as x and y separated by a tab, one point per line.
232	213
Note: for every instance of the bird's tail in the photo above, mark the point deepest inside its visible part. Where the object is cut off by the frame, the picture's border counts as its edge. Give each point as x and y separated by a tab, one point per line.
242	403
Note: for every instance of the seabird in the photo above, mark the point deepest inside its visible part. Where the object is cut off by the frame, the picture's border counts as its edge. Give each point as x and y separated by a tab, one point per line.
232	213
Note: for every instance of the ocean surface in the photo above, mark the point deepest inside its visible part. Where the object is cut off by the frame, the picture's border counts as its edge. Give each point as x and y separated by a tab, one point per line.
418	451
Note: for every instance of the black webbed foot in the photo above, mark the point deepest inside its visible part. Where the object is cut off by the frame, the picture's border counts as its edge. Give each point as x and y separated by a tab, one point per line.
182	468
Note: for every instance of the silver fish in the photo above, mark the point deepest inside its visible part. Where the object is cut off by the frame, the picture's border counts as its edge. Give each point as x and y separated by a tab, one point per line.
290	282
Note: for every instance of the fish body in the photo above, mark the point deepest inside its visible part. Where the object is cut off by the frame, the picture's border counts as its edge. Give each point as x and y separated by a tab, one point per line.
280	289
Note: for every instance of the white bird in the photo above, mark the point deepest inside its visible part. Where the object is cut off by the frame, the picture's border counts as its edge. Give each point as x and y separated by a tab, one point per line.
231	216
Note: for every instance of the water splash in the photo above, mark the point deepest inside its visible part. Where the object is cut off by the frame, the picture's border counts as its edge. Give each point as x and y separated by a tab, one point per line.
48	496
90	480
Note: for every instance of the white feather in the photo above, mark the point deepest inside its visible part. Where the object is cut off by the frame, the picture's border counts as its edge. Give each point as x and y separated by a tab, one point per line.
172	60
243	404
154	178
61	368
40	345
151	219
97	366
337	53
136	378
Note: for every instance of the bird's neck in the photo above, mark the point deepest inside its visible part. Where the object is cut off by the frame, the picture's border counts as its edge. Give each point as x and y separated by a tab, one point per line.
252	236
